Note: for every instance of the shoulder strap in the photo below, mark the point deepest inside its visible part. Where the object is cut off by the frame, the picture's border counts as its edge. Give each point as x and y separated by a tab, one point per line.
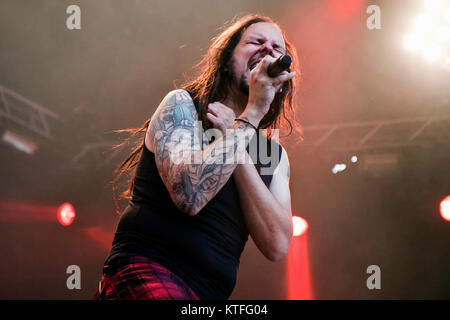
195	100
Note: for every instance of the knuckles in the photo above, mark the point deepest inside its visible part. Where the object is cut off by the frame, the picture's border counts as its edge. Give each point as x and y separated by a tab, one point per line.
225	115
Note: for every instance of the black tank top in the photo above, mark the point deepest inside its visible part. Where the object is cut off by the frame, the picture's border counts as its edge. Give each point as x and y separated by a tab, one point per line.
203	250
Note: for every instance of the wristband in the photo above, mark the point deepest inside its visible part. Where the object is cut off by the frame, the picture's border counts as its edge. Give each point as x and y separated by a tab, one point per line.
246	121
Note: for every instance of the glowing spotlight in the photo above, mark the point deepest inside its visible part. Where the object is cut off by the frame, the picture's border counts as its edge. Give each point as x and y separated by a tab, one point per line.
19	142
434	5
424	22
66	214
300	226
339	167
447	15
432	52
354	159
442	34
413	42
444	208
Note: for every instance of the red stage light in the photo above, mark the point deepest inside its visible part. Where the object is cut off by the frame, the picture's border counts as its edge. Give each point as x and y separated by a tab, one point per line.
298	276
445	208
346	9
66	214
300	226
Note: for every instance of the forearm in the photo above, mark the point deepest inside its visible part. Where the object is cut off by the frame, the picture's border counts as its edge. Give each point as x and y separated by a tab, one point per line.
193	176
196	182
268	222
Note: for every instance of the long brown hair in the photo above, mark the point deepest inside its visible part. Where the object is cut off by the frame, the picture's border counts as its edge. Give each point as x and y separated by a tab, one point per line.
129	164
213	84
216	77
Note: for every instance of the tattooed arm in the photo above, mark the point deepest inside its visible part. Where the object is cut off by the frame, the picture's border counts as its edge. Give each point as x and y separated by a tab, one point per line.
191	175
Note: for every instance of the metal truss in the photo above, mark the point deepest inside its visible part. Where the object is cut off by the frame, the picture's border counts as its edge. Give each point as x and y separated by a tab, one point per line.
423	131
355	136
25	113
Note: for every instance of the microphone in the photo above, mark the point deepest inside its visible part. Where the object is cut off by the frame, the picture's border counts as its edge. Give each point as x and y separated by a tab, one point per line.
279	65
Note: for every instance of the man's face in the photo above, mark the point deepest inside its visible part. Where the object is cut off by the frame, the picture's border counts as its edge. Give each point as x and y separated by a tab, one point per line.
259	40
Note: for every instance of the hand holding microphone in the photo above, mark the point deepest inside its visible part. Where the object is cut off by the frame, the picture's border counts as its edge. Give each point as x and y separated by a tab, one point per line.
266	79
281	64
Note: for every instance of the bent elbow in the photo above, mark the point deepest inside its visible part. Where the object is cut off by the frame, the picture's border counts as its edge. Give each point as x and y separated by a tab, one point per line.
190	209
276	256
191	212
279	253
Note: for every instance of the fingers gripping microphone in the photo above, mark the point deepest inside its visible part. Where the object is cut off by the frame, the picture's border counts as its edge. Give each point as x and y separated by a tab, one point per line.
278	66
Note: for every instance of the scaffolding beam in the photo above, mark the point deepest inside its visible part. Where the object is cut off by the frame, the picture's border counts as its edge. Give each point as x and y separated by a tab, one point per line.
26	113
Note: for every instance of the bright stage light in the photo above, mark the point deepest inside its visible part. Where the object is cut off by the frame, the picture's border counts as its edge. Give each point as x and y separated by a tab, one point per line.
434	5
66	214
300	226
339	167
442	34
20	143
430	34
444	208
354	159
412	42
432	52
424	22
447	15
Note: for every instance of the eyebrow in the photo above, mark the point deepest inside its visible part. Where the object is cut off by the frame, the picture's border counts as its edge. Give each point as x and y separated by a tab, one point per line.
258	35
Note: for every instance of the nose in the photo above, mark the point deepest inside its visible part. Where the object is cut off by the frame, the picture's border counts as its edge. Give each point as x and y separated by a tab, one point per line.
267	49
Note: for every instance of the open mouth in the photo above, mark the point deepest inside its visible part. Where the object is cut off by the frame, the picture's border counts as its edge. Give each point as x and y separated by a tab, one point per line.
253	64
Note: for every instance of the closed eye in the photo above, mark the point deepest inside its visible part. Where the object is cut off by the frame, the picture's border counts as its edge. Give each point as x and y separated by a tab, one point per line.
279	49
257	41
261	41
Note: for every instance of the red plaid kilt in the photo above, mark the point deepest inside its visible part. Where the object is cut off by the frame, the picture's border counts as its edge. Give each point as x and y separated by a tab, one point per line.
140	278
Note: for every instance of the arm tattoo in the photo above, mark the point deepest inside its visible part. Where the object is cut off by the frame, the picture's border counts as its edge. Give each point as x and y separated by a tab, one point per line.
192	184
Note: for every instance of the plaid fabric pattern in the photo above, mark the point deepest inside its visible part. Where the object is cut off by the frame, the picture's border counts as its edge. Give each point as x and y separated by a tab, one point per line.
140	278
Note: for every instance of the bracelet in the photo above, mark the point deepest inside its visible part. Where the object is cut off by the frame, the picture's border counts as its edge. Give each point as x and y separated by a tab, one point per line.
246	121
